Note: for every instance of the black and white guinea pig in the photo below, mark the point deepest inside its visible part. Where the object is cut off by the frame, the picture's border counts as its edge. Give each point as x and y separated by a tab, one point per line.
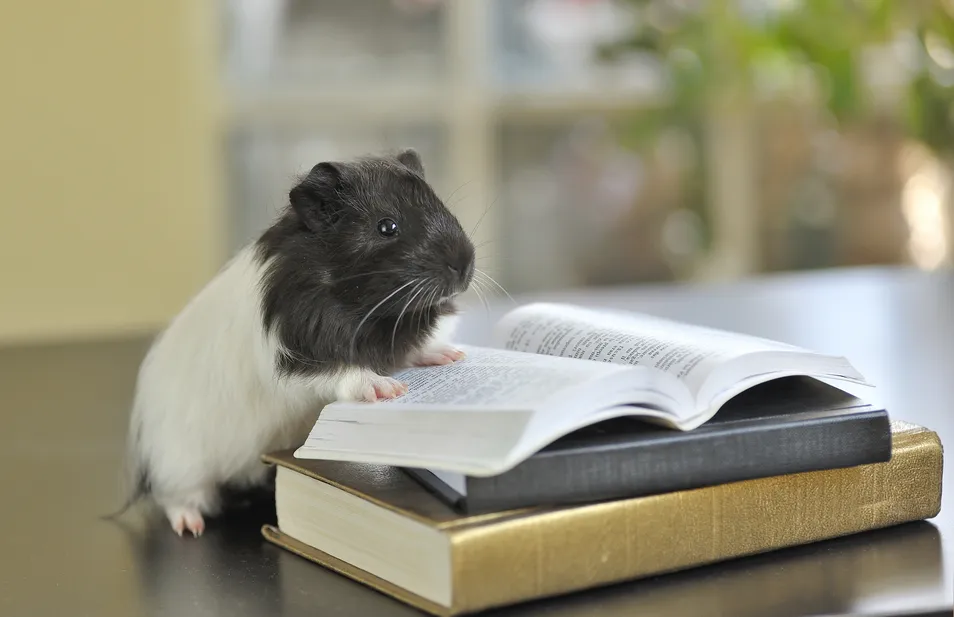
354	280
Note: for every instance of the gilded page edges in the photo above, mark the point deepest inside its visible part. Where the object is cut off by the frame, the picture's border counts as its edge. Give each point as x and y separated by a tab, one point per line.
569	549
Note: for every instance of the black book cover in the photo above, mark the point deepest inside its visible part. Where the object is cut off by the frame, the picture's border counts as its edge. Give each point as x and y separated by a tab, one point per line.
785	426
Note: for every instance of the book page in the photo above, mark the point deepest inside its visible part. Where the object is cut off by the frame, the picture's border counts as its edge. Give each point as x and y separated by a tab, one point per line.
475	415
488	377
689	353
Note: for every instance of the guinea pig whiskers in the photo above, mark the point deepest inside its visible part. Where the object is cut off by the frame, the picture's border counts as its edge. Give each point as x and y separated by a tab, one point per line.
481	219
479	290
354	337
415	291
427	304
449	197
490	279
360	274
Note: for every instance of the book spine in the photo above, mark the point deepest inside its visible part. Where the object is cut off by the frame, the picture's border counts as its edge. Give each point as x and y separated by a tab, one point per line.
570	549
684	461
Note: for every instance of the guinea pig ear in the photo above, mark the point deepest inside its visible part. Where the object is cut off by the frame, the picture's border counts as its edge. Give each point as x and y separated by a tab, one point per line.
412	160
315	199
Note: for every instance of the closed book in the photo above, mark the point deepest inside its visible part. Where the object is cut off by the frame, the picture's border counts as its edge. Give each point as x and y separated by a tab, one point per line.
377	526
790	425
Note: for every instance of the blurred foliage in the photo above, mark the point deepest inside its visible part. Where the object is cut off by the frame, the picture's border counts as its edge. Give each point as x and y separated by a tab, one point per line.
714	48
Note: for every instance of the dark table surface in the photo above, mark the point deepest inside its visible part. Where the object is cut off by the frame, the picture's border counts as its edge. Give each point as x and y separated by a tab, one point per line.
63	410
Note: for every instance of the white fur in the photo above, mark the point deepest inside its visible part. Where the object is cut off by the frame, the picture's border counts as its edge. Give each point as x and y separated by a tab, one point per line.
209	402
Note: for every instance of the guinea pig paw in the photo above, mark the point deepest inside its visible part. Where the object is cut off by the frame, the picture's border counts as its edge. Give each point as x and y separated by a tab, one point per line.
437	356
367	386
186	518
380	388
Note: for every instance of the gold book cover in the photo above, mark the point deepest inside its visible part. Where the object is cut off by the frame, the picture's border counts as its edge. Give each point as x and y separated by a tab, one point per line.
378	526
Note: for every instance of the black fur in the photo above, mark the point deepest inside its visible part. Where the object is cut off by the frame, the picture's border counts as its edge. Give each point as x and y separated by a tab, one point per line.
328	266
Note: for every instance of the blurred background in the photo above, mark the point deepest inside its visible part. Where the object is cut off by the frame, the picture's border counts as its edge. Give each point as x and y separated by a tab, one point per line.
587	142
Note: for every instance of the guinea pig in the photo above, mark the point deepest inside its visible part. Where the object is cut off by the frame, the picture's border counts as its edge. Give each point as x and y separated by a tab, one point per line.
355	279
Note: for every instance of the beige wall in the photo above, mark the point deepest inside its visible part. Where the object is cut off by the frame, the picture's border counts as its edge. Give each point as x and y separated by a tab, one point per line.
109	189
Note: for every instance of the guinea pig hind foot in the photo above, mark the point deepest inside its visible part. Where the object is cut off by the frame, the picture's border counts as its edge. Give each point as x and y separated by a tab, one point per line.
186	511
186	517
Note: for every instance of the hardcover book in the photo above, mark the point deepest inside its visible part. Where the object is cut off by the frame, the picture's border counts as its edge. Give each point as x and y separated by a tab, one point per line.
378	526
785	426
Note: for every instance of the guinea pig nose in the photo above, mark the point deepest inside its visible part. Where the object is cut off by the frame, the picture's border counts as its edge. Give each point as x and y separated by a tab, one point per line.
460	273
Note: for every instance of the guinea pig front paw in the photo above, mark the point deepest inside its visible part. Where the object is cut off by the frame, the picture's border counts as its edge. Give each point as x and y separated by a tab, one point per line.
436	356
370	387
381	388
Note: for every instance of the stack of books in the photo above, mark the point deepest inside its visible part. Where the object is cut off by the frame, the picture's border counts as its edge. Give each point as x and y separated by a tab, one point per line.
584	448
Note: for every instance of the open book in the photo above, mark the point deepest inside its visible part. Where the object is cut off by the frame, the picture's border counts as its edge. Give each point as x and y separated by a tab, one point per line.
551	369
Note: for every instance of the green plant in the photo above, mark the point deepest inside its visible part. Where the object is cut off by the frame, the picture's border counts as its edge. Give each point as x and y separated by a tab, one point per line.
713	49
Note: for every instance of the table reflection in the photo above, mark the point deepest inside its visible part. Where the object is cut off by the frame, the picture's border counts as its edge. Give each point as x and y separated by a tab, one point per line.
231	570
835	576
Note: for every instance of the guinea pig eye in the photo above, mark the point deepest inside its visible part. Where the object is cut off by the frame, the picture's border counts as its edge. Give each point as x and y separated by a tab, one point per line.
387	228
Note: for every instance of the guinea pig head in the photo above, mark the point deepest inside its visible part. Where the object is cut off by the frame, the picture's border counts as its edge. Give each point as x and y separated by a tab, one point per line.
386	236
